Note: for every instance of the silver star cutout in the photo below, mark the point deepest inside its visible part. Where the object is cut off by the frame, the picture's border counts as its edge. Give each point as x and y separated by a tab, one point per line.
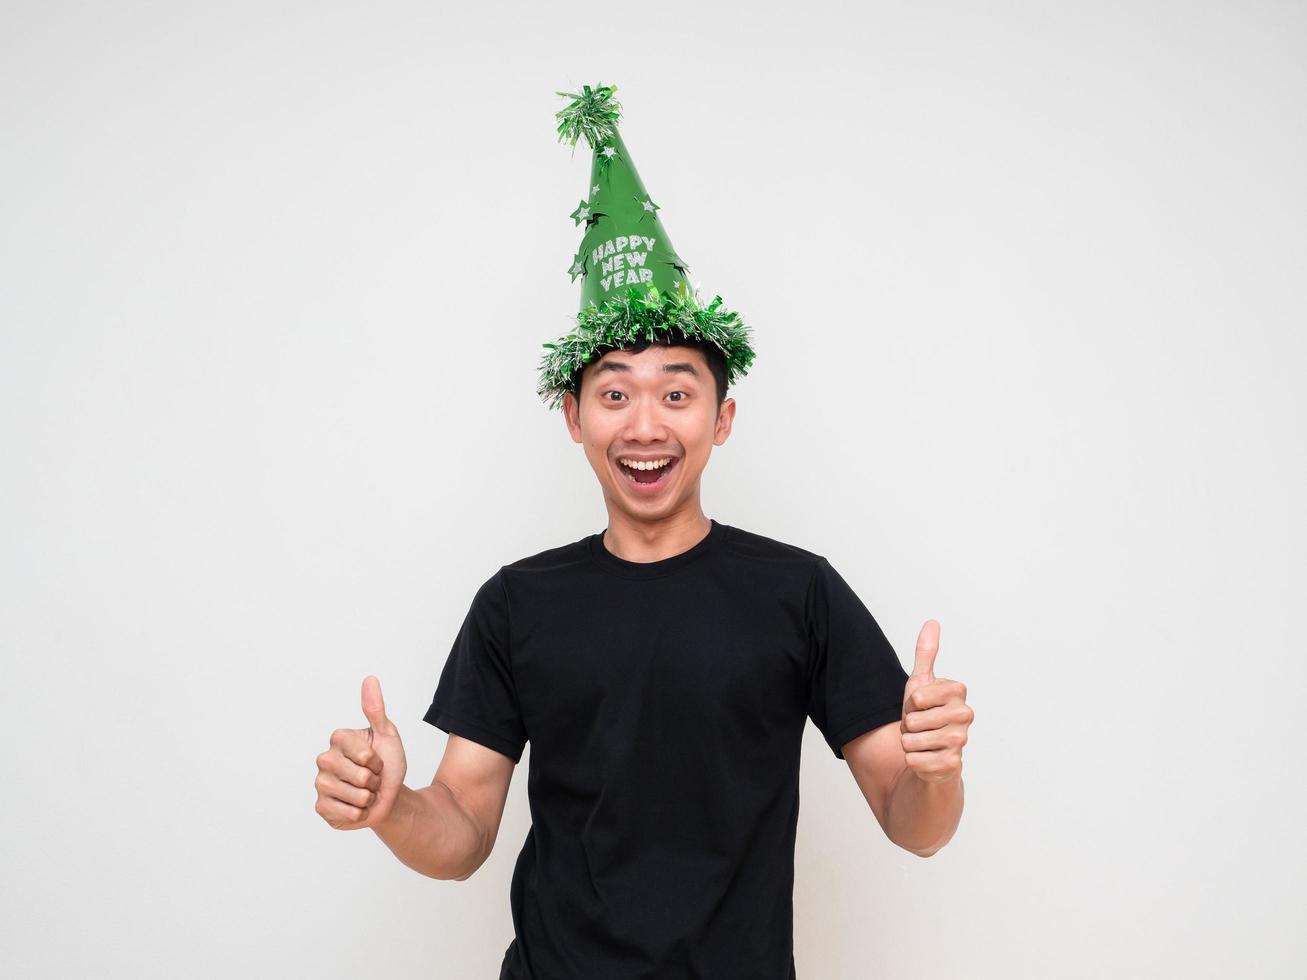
609	151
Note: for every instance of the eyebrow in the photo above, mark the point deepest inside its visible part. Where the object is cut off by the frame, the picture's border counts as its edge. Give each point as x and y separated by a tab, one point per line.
675	367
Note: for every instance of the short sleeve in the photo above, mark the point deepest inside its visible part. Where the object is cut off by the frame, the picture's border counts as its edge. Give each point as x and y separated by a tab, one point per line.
855	680
475	697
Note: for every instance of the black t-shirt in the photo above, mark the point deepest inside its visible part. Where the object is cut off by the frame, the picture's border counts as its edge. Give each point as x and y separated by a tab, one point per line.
665	704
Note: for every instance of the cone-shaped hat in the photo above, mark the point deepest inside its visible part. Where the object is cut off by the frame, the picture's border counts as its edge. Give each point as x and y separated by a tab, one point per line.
634	285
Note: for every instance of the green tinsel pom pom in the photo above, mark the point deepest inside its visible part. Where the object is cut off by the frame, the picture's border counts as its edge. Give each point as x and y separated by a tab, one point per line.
593	115
636	316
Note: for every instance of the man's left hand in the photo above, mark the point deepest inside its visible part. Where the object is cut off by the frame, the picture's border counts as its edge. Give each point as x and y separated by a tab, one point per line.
936	715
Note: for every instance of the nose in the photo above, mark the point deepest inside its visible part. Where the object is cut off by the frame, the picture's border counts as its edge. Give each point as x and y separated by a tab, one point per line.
644	422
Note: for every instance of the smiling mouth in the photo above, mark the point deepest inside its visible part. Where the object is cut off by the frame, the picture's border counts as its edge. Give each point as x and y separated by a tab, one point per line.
648	481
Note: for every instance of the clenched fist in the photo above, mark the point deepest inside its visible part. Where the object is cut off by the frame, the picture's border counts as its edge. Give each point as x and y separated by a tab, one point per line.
359	777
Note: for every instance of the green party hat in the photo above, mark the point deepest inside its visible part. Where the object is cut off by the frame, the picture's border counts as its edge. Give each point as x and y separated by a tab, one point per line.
634	285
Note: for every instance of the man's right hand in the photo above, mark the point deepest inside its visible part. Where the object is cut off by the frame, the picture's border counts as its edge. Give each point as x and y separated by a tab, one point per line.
360	776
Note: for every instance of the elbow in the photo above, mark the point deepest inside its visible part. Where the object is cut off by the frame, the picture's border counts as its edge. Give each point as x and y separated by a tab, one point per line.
921	852
464	869
483	855
447	875
471	869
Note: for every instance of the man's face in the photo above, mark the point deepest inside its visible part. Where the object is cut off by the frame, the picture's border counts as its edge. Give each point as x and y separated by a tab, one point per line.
658	404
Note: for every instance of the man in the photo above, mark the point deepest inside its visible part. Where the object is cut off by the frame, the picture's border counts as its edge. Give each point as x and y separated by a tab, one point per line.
663	669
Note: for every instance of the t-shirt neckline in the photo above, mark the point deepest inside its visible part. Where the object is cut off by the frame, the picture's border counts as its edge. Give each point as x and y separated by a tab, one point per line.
653	569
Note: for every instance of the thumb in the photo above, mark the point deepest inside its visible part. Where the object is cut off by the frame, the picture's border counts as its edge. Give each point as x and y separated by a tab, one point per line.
923	664
374	707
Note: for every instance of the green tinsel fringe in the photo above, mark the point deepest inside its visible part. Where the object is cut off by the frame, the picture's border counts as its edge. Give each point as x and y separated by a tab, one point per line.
639	315
593	115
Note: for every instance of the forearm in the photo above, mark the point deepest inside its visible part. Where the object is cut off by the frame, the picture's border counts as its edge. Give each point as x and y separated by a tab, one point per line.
429	831
922	816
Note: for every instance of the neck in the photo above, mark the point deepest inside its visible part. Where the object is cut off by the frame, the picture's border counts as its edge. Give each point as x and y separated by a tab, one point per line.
635	539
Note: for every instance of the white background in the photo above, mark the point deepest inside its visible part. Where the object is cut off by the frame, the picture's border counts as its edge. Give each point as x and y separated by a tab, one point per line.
1027	288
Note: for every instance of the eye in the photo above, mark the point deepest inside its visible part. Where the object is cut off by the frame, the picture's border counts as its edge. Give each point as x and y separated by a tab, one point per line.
613	391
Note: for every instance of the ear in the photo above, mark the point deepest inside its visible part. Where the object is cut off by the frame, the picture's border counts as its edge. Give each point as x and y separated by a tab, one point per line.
572	416
725	418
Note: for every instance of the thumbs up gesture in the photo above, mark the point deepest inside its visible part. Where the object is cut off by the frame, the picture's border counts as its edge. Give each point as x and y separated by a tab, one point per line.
936	715
360	775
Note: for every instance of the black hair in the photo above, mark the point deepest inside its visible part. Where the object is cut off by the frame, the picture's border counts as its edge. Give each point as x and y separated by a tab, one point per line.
711	352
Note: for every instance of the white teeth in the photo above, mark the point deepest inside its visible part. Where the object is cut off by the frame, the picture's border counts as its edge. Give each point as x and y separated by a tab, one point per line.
652	464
